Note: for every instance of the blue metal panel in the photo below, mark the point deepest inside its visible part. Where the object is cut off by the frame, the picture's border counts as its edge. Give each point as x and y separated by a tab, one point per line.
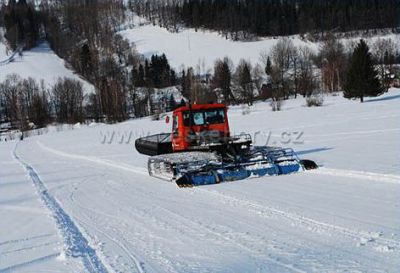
233	175
264	171
291	168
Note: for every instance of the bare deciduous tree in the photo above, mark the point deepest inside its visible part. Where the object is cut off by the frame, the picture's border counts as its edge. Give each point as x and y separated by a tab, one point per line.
283	53
384	52
24	102
306	78
332	61
68	100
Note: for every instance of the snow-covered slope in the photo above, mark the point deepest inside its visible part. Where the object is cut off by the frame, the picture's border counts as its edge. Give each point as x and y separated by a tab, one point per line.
202	48
39	63
5	55
3	51
96	190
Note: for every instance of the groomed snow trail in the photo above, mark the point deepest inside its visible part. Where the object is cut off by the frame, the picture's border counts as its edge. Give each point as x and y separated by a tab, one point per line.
28	264
342	217
11	57
384	178
372	239
264	211
76	245
140	265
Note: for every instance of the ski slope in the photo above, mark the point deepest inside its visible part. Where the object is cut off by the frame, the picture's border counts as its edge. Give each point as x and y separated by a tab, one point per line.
200	49
82	201
39	63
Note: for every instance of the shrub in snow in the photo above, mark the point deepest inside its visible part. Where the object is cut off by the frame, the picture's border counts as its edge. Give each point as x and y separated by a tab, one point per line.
59	127
156	115
245	109
276	104
315	100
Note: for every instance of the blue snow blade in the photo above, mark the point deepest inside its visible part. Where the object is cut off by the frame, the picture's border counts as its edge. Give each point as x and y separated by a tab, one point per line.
232	175
289	168
269	162
202	179
272	170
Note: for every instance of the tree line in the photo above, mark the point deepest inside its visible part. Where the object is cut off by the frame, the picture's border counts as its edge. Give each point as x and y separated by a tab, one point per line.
285	71
240	19
21	22
155	73
127	84
27	103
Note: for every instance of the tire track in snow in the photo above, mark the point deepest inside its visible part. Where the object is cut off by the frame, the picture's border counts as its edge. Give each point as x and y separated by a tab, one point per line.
309	223
26	239
138	264
261	210
195	227
379	177
18	267
236	242
75	243
110	163
137	170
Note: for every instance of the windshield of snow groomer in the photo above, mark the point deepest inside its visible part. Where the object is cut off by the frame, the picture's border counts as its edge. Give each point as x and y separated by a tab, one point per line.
203	117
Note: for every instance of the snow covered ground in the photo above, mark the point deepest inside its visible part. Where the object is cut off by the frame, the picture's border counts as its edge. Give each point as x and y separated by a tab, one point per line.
200	49
197	49
39	63
3	50
81	201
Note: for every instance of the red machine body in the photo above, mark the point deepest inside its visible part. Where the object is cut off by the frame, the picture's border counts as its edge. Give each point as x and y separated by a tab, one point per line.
208	121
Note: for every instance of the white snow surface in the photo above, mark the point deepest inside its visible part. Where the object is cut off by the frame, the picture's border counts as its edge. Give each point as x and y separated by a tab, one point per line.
200	49
3	51
197	49
72	202
39	63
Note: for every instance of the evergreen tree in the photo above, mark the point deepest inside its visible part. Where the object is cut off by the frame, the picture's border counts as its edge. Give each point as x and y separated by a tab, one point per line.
86	60
147	73
172	103
172	77
222	79
268	67
362	78
140	81
245	82
134	77
184	90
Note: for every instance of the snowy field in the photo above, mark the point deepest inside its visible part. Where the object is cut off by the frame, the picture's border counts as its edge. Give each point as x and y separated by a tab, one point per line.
197	49
3	51
200	49
69	203
40	63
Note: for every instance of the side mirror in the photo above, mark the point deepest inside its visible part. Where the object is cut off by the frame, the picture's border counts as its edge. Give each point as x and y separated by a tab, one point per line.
167	120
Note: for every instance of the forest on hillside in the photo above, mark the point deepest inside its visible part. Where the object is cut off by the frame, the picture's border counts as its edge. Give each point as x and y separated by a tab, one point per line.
241	19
